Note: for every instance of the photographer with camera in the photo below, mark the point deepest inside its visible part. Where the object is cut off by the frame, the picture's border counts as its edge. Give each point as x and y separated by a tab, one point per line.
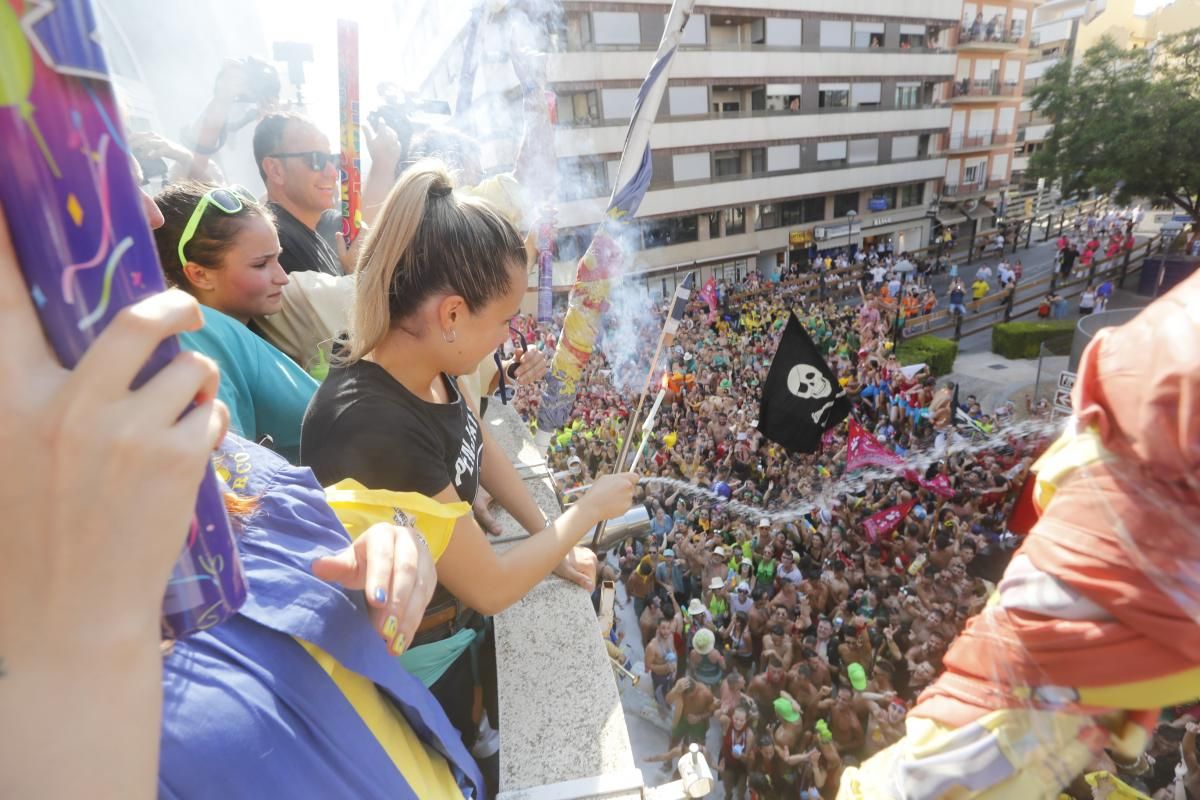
248	81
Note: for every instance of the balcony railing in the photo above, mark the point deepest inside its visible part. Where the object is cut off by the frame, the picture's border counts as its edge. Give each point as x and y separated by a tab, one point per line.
985	88
591	122
746	47
961	141
960	189
987	33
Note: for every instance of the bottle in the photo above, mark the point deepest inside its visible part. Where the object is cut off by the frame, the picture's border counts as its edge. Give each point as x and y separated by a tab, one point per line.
85	248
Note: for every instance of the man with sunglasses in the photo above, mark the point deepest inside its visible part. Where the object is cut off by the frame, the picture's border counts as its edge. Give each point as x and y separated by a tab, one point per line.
301	176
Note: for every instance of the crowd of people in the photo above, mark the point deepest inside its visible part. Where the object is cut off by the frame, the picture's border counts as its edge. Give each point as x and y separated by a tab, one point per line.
351	383
799	640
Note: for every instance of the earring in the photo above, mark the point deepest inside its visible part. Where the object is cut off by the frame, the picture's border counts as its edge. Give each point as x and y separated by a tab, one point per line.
451	338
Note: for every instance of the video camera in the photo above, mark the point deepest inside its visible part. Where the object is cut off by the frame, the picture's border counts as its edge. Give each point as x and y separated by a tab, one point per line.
406	115
262	81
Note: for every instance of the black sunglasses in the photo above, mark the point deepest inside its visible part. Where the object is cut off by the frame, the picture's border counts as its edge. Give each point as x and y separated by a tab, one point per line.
313	159
503	391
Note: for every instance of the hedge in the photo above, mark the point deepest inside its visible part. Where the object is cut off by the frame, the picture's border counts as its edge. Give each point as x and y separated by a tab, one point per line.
938	353
1024	339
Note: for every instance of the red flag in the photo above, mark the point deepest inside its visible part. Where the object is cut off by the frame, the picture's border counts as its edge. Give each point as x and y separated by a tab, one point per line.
1025	511
864	451
940	485
709	294
882	523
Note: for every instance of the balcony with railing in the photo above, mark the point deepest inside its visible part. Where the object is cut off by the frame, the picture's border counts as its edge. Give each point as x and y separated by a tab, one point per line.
988	89
966	188
976	140
993	35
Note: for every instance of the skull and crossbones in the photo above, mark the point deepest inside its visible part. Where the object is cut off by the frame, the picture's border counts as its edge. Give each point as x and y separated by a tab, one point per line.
807	382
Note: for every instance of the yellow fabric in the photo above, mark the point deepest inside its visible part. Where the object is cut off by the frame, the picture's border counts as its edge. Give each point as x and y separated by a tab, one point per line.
1168	690
1121	789
359	508
1040	750
425	770
1069	452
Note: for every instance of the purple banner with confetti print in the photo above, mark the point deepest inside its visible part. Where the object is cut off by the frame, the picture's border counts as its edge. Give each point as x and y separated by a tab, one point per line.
84	244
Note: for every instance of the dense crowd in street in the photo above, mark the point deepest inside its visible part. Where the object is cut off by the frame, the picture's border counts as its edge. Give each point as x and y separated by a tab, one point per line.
800	642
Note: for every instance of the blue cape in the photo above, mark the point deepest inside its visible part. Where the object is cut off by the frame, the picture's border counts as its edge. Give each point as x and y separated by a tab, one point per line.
247	712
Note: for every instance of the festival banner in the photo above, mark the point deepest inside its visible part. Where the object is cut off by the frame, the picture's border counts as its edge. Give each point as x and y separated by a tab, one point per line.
351	166
605	260
862	450
882	523
86	250
709	294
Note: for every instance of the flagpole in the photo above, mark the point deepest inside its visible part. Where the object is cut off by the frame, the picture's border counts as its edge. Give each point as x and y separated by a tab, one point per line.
683	293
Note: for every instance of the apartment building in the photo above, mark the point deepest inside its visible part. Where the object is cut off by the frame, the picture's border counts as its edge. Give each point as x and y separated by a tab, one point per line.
1063	30
991	41
788	127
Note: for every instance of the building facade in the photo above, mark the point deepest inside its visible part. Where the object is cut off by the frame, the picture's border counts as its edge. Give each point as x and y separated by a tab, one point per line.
991	41
788	127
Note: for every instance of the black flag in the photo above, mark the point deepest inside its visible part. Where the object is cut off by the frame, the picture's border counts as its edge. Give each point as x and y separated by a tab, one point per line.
802	397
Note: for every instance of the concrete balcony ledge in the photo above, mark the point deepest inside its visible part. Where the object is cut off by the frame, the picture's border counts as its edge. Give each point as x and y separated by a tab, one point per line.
562	729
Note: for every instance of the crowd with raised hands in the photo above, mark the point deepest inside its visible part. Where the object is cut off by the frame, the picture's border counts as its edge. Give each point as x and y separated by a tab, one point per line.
797	639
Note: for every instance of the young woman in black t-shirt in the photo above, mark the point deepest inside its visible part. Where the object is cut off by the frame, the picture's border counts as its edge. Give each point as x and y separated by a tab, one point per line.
439	279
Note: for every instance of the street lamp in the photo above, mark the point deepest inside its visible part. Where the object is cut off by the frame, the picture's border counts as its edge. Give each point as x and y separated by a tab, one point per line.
850	216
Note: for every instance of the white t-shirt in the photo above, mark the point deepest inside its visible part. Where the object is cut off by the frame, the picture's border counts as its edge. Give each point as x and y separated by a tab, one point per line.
877	274
984	274
792	576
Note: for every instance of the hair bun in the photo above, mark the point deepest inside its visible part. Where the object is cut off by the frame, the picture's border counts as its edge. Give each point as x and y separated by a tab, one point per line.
440	189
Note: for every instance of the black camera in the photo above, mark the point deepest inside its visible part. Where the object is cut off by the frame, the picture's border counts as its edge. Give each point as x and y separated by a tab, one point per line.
262	81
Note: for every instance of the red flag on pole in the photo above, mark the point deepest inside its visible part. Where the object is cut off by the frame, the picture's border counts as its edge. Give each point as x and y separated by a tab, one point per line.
1025	511
863	451
882	523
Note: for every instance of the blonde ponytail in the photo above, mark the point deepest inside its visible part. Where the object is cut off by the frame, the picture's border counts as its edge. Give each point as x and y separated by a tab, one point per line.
429	239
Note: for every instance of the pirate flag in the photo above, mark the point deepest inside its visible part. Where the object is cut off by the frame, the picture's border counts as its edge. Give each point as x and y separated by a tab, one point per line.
801	398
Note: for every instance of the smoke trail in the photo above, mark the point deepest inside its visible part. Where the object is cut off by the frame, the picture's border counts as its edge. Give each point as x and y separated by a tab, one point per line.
828	494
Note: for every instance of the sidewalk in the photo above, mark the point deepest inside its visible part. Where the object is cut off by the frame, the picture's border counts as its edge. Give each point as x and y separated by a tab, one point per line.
995	380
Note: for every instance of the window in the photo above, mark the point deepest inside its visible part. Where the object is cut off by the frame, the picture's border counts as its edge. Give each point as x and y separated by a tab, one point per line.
573	242
831	151
687	100
766	216
691	167
908	95
695	31
714	224
834	33
833	95
972	173
618	103
912	36
735	221
868	34
758	161
842	203
1012	71
613	27
727	162
582	178
865	95
799	212
904	147
783	96
578	108
912	194
863	151
783	157
999	166
665	232
579	30
882	199
783	32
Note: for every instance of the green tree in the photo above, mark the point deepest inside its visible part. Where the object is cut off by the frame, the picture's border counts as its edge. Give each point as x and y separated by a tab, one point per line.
1125	121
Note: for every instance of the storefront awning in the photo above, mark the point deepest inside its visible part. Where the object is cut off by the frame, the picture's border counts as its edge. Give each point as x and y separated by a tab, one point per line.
948	217
981	211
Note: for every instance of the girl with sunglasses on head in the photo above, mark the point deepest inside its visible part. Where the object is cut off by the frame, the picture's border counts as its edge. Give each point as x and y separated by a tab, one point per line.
220	246
439	279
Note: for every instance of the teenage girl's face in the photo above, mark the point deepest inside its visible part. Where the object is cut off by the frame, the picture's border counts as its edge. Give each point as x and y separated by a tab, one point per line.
250	281
481	333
